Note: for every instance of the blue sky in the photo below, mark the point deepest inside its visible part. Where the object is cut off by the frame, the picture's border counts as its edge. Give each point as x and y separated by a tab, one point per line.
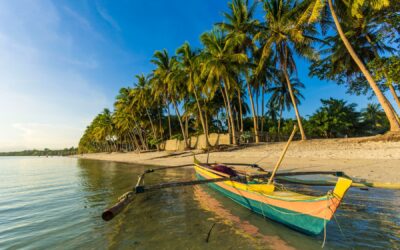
62	62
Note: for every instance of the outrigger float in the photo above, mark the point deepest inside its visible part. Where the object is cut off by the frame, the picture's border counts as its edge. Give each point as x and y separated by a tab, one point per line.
258	192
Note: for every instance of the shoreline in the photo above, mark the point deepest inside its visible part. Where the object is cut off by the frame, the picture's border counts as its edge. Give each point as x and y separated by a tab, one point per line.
372	160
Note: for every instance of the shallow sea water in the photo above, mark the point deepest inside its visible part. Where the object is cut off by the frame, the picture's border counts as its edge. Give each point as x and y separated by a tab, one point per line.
57	202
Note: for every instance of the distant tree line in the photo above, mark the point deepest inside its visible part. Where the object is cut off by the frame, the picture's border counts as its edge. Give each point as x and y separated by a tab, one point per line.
45	152
336	118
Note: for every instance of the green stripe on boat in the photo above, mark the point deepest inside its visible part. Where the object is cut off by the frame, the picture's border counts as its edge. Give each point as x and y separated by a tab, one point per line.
298	221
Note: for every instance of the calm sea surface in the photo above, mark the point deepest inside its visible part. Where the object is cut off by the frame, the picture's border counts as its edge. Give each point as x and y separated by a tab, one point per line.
57	202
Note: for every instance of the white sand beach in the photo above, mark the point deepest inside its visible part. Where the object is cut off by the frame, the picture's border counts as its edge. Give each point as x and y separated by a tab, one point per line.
372	160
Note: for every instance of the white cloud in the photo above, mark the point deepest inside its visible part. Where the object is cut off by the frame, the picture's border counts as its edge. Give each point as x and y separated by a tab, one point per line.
36	135
45	98
107	17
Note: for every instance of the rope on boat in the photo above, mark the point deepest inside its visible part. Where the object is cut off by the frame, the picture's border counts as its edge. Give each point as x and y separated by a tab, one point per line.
329	194
281	186
340	228
323	242
332	194
125	195
262	210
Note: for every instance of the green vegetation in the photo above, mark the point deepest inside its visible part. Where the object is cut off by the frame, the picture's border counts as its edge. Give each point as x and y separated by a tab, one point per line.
217	88
45	152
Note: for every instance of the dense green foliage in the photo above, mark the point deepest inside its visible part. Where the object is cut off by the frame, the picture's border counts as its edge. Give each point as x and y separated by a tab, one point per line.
45	152
335	118
245	76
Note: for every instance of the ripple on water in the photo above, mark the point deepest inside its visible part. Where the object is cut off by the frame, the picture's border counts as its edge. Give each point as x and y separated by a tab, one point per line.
57	202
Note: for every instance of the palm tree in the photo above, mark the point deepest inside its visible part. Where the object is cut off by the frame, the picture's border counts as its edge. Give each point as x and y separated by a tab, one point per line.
366	41
122	125
242	26
143	98
121	118
261	79
125	103
352	8
159	87
283	34
368	25
280	96
374	118
336	64
189	63
221	64
105	129
167	81
177	91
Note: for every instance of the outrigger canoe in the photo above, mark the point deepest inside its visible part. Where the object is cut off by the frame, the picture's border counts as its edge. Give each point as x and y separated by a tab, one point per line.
304	213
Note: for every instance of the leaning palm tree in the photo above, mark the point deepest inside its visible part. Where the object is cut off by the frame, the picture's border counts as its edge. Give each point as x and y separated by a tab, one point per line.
221	64
282	35
189	64
106	131
177	91
143	98
338	64
159	87
167	81
368	25
121	118
262	78
281	98
242	26
316	9
125	103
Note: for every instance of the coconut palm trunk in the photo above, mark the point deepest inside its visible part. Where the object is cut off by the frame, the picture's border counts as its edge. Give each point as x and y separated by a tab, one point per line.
180	123
228	102
228	122
394	94
187	126
169	121
236	115
289	84
253	111
262	109
160	123
135	142
139	132
394	123
240	110
206	120
201	117
389	84
279	121
152	127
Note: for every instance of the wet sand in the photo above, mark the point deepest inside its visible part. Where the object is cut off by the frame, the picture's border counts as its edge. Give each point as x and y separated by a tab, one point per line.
372	160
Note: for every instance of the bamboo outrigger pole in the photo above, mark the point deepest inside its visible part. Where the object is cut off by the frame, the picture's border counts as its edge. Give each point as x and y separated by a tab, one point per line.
282	155
128	197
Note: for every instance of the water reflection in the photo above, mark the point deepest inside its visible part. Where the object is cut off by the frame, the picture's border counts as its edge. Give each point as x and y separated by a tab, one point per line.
57	202
241	227
188	213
